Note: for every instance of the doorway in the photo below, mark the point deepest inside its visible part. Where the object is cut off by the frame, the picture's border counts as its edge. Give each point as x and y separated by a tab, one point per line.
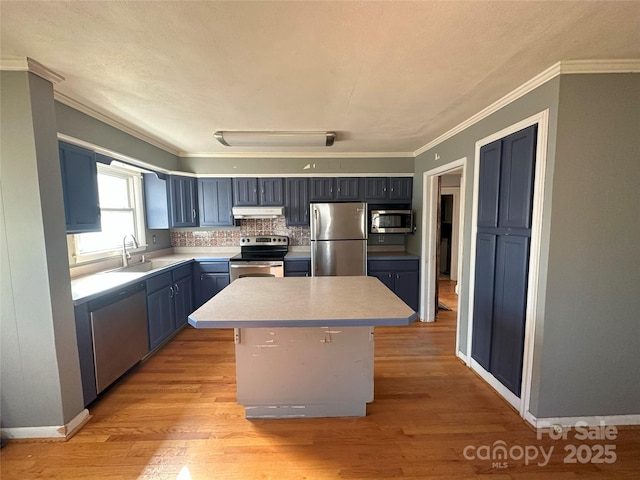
430	271
448	238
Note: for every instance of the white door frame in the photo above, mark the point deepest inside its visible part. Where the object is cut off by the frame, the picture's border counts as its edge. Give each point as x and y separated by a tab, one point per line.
521	404
429	221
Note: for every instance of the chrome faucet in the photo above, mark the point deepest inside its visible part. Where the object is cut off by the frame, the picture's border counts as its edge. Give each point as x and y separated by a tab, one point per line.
126	256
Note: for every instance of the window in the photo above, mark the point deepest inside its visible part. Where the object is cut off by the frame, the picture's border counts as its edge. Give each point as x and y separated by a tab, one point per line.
120	193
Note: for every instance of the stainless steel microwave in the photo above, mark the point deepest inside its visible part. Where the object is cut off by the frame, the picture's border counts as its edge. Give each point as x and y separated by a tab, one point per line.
391	221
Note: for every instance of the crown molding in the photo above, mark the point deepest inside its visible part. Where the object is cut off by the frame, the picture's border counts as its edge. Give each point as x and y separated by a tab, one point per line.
298	155
559	68
26	64
600	66
125	127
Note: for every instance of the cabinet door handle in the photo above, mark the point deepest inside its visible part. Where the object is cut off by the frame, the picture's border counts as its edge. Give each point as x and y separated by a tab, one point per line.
171	292
177	289
193	214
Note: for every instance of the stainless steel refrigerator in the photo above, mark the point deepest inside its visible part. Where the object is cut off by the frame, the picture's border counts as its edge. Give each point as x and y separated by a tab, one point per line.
338	239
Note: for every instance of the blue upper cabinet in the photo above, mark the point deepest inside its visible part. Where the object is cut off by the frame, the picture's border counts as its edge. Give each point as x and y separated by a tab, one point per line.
401	189
79	188
245	192
271	191
170	201
182	202
297	201
376	189
348	189
322	188
250	192
215	201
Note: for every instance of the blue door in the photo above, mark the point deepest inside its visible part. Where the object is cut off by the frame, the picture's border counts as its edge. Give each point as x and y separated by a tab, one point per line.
505	199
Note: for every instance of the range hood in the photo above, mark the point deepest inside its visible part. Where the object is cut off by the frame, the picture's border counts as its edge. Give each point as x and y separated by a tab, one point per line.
257	212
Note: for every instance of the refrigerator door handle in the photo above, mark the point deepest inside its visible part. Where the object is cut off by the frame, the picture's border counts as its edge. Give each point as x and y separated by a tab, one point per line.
315	224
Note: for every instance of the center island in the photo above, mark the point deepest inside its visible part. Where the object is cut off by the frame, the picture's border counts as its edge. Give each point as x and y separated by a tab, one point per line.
304	345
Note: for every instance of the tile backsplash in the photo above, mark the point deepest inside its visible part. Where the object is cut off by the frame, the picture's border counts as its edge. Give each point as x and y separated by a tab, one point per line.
231	237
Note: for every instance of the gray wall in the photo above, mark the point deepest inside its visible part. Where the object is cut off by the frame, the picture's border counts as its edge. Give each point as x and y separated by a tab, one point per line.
587	331
463	145
588	360
83	127
295	166
40	370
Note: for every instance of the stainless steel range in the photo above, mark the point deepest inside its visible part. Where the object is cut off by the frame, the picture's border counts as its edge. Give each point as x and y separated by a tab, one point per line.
260	256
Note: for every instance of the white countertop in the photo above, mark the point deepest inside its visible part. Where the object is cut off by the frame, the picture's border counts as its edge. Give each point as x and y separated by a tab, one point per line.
88	287
303	302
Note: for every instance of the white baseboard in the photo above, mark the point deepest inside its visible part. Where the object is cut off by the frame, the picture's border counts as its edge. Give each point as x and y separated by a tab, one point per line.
503	391
587	421
462	357
62	432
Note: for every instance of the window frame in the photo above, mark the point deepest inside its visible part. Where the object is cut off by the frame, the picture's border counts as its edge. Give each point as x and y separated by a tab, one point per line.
136	205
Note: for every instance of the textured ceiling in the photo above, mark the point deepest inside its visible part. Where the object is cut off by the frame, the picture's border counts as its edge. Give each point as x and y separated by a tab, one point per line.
389	77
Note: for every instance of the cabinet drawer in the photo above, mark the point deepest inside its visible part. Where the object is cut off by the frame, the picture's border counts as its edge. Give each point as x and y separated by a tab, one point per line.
213	267
297	266
393	265
158	282
181	272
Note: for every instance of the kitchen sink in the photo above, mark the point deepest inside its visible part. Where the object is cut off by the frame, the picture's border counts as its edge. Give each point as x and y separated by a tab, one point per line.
145	266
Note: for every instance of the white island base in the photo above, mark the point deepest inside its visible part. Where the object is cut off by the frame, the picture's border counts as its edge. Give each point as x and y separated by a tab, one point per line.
305	371
304	346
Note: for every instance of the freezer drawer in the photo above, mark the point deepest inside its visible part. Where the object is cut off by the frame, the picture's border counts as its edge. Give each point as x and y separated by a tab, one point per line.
338	257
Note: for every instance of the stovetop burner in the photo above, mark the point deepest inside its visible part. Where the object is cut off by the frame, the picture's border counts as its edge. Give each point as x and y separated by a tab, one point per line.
262	248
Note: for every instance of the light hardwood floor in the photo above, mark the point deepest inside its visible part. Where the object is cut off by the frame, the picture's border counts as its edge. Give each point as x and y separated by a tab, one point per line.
175	417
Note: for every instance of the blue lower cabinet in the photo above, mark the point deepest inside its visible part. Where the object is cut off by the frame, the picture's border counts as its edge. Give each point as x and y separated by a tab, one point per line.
160	316
169	303
401	277
210	279
300	267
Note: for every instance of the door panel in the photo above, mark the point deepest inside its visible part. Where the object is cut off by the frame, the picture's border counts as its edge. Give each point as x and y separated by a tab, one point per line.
507	343
338	258
517	179
489	184
483	298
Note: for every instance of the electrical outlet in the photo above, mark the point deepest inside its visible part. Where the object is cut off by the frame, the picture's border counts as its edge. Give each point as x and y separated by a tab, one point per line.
380	238
154	239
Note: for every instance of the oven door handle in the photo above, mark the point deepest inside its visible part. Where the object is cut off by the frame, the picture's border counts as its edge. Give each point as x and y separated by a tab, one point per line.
256	265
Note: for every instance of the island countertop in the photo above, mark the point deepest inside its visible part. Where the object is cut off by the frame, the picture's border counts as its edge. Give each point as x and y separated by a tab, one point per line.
254	302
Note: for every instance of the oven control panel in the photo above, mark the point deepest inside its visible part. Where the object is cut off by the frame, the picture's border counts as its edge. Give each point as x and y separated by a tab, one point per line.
265	240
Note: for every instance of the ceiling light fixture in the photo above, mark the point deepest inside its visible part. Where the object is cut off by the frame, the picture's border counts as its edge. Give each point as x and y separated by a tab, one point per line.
275	139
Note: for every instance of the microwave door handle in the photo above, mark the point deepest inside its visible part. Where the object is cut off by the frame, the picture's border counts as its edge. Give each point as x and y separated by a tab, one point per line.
375	222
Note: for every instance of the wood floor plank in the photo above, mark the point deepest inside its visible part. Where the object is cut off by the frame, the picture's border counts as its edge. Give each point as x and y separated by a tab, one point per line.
176	414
